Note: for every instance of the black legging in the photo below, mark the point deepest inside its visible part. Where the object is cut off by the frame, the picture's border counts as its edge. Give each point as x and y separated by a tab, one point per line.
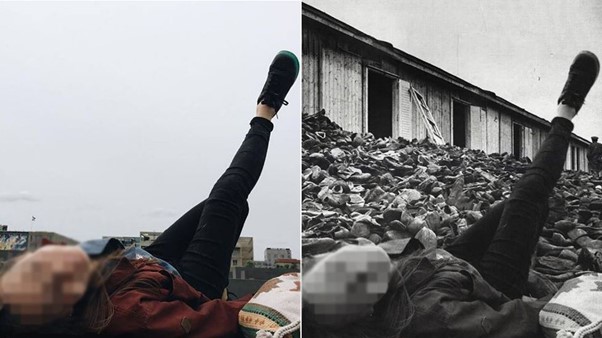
500	244
201	242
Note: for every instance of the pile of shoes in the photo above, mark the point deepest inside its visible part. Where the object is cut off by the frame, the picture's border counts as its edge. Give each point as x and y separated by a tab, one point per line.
387	190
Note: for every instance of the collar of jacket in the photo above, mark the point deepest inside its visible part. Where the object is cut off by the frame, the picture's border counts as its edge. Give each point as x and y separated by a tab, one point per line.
100	247
123	272
422	271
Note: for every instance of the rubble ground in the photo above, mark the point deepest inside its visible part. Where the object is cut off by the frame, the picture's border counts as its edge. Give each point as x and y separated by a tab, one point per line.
356	188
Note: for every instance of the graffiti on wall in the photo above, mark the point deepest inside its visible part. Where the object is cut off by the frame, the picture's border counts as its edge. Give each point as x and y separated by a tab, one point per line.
13	241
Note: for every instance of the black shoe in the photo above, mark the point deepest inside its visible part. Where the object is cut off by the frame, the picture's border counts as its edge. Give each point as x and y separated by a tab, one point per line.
281	76
582	75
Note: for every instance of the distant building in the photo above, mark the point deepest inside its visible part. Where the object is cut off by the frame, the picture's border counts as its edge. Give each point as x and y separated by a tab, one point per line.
287	263
272	254
127	240
247	280
259	264
148	237
145	239
15	243
38	239
259	273
243	252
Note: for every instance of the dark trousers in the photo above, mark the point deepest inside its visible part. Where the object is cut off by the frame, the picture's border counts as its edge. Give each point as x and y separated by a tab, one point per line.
201	242
500	244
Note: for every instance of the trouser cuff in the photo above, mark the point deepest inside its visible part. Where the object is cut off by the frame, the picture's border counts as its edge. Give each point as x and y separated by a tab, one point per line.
264	123
562	126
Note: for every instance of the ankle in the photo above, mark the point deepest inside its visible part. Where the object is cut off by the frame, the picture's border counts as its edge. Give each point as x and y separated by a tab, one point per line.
265	111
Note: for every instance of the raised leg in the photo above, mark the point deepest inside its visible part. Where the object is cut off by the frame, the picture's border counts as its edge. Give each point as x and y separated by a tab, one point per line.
472	244
205	263
505	264
200	244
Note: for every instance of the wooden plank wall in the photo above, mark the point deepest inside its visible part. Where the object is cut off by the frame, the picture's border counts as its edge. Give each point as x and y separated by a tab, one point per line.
445	112
582	160
439	100
528	143
433	100
536	140
310	84
395	114
405	112
418	128
476	128
493	130
505	133
580	163
484	131
341	88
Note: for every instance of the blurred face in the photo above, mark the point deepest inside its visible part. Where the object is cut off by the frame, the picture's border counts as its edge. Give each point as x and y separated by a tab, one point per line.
44	285
345	285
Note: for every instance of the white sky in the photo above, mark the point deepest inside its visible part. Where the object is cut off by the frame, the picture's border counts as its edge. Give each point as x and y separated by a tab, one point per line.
521	50
119	117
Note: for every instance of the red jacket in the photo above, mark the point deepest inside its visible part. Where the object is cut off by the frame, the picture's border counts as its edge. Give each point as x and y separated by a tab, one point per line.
176	309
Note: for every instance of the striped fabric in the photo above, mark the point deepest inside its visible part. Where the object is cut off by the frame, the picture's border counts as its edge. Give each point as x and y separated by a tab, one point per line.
575	310
275	310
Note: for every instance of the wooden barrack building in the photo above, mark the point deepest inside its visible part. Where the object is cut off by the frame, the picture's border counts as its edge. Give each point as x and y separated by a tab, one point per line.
364	86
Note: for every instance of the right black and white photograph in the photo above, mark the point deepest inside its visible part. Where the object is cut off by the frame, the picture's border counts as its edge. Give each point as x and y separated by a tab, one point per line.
451	169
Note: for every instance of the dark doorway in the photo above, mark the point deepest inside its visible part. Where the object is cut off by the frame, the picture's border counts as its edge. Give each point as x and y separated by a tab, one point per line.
517	144
380	104
459	123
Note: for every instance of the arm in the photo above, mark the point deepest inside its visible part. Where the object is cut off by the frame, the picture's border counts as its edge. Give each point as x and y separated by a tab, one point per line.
138	312
448	308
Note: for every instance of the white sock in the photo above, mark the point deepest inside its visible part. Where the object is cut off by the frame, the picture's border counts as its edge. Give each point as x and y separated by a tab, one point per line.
566	112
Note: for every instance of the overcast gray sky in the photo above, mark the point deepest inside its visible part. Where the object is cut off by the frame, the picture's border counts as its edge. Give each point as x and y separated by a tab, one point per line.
521	50
119	117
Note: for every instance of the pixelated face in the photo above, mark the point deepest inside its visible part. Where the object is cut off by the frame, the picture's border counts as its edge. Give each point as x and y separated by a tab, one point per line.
44	285
346	284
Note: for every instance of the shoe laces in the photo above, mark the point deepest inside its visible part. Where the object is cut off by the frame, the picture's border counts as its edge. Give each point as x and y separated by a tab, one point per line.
274	82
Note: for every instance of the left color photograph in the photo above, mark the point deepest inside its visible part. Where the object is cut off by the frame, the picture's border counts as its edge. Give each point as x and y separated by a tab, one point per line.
149	181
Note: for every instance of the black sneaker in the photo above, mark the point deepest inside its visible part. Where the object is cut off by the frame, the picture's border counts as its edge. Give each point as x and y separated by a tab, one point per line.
582	75
281	76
